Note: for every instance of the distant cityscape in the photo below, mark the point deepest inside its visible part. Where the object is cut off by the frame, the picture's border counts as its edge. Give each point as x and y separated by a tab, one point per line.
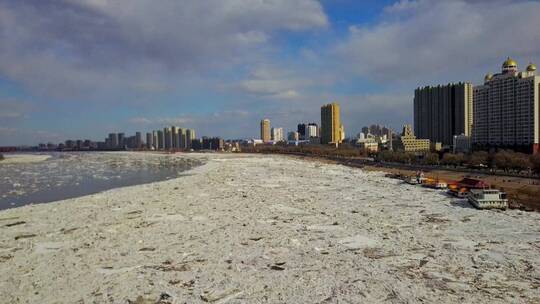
501	113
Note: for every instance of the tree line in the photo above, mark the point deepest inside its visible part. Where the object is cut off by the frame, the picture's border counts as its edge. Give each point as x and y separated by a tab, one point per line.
343	151
508	161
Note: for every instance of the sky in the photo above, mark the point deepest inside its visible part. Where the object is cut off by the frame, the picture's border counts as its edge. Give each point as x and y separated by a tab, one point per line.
80	69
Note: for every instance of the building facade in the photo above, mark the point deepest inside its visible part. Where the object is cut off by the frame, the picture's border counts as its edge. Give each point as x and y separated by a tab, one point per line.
149	141
312	130
332	131
443	111
265	130
506	110
190	136
293	136
301	129
409	143
167	138
277	134
161	140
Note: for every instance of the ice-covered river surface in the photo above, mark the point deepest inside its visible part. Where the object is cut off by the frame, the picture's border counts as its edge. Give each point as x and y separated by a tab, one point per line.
68	175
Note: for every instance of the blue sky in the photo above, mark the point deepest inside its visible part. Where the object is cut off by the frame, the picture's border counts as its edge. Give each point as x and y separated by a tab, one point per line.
83	68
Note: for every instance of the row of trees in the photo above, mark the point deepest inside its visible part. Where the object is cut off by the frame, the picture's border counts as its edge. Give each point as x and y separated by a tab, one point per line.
344	150
507	161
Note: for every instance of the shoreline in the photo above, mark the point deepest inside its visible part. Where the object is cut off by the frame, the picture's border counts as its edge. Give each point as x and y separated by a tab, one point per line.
63	177
513	186
251	228
23	158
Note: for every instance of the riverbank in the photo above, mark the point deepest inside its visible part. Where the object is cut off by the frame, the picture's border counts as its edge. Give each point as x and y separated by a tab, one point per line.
59	176
525	191
267	228
23	158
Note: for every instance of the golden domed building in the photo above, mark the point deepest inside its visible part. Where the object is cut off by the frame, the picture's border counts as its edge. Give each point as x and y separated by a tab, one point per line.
509	65
507	109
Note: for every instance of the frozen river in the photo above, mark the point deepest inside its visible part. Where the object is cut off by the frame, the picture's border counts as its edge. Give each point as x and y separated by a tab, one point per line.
68	175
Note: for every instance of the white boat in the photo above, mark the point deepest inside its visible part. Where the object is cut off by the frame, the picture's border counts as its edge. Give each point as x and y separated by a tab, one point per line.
412	180
441	185
488	199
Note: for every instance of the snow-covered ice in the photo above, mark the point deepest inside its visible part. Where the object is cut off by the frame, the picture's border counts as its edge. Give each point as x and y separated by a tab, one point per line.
268	229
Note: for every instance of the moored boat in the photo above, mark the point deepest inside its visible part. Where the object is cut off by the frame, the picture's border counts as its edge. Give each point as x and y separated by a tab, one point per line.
488	199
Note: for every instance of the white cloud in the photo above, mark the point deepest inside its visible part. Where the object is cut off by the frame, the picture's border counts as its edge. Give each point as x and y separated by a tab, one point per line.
69	47
275	83
419	41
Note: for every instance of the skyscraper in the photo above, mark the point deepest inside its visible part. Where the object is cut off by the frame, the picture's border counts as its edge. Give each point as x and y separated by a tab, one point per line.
182	137
190	136
332	131
174	137
443	111
311	130
302	130
167	138
138	140
113	141
507	111
277	134
293	136
265	130
149	140
161	140
121	140
155	139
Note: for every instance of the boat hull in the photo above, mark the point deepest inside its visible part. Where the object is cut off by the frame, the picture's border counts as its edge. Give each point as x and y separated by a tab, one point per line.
488	204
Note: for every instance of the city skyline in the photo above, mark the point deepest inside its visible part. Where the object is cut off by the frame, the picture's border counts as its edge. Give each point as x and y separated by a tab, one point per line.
280	60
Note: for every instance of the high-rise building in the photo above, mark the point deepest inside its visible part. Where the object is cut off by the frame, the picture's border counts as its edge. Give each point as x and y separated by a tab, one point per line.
149	140
301	130
443	111
161	139
293	136
265	130
182	137
507	111
155	139
190	136
277	134
113	141
121	140
167	134
332	131
138	140
311	131
175	143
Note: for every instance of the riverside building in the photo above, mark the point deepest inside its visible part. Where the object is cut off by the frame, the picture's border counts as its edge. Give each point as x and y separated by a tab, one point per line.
190	136
506	110
149	141
277	134
167	138
265	130
332	131
161	140
409	143
443	111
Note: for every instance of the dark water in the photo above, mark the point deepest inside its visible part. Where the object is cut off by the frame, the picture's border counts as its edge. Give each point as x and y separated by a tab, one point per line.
68	175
